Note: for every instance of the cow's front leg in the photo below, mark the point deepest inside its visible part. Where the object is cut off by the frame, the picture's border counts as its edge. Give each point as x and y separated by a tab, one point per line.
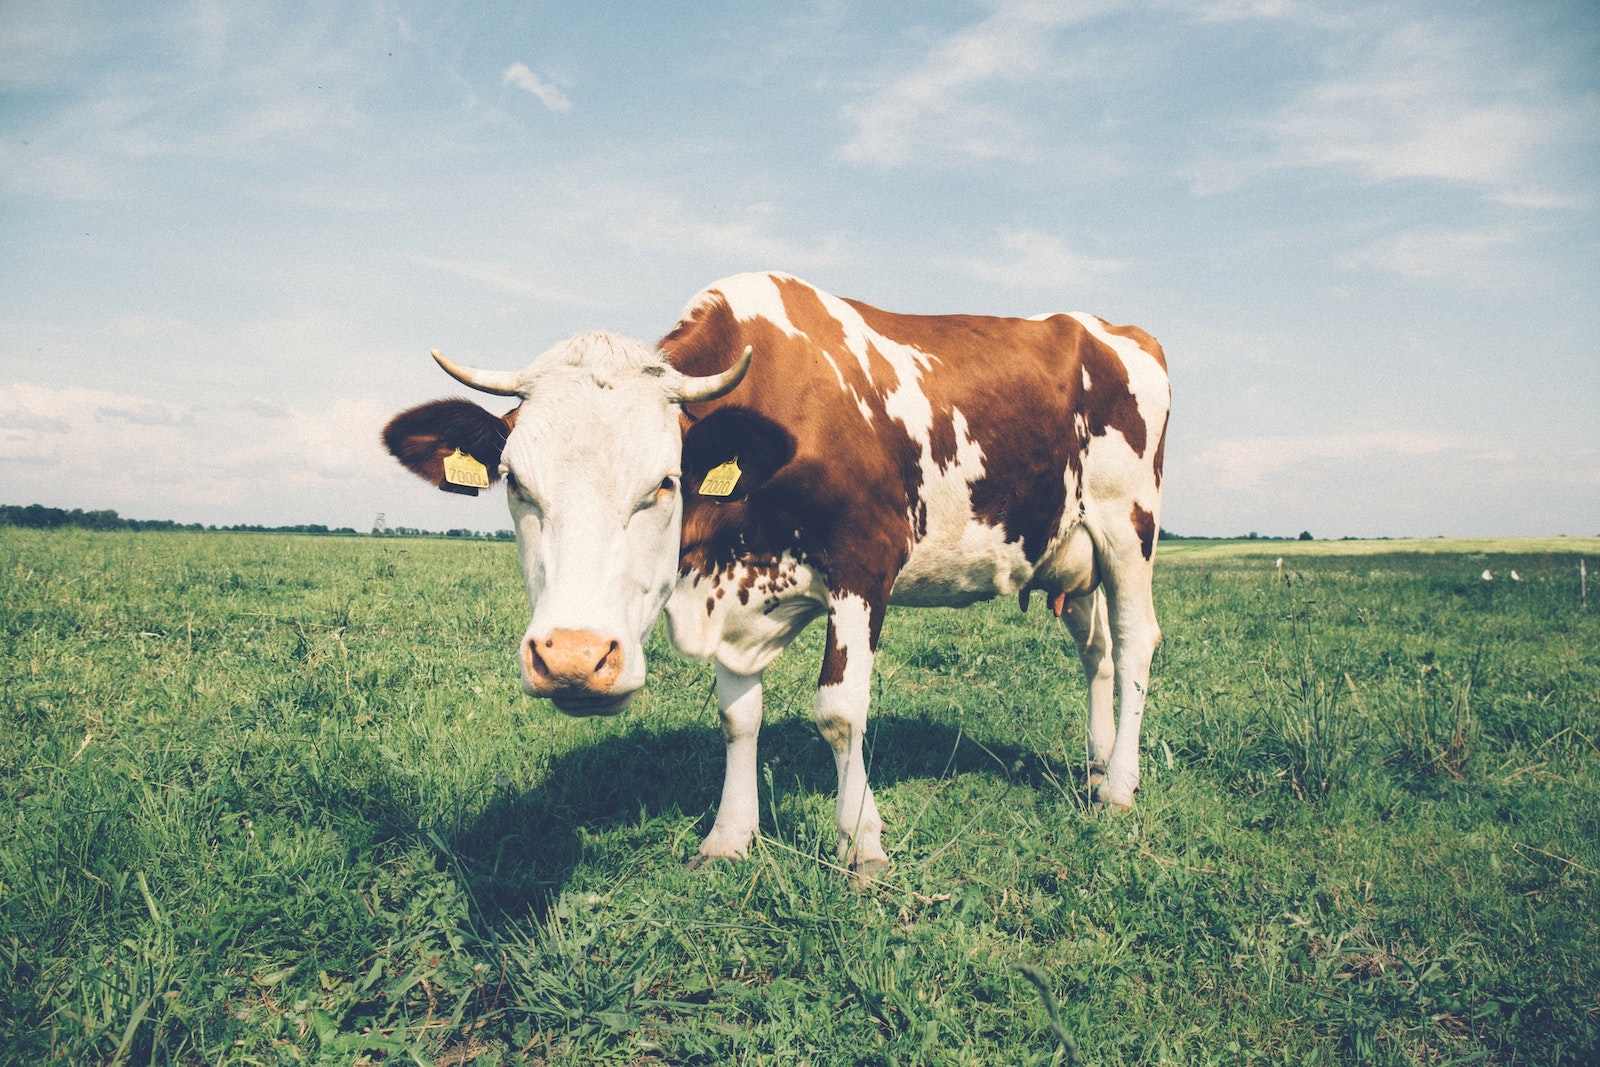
841	712
738	816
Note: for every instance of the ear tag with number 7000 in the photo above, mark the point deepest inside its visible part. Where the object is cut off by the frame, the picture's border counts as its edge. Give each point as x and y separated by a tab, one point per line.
462	469
719	481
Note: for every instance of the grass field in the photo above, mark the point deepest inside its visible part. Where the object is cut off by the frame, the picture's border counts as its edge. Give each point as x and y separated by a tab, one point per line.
273	799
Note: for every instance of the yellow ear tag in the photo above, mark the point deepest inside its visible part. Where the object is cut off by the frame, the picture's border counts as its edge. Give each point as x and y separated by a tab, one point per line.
462	469
719	481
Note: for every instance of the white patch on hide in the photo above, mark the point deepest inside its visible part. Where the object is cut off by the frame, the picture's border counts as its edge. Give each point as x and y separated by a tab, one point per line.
851	618
959	559
749	296
744	637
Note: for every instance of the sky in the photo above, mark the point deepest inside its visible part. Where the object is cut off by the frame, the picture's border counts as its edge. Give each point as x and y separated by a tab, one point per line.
1366	233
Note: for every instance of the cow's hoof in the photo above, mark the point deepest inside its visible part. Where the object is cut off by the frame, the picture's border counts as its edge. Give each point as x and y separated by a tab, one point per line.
1095	774
722	844
864	872
1112	800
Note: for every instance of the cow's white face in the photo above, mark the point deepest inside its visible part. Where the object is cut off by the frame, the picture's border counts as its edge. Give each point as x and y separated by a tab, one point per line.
592	477
590	460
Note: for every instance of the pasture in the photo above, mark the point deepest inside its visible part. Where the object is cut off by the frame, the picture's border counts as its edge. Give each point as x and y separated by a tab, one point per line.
278	799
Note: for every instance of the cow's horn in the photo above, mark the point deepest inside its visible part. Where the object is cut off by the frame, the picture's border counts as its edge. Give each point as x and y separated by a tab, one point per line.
712	386
498	382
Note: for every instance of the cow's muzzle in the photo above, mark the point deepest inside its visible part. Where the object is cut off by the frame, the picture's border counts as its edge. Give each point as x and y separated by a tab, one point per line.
576	669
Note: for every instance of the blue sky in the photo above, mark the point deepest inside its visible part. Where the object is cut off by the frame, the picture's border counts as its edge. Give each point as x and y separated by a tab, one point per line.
1366	233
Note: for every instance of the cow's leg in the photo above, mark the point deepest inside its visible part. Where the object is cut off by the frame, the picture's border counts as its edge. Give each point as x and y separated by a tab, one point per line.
1086	620
841	713
738	816
1131	609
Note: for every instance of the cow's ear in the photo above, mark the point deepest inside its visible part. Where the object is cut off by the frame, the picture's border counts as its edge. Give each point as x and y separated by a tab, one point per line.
759	447
424	436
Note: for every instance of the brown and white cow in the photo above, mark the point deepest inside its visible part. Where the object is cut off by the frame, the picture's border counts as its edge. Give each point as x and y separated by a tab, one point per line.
860	458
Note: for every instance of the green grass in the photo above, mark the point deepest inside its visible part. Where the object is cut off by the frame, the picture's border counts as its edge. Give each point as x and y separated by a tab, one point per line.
1489	549
273	799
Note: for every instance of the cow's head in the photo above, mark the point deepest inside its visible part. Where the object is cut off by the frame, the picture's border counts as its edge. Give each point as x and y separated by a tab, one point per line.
590	459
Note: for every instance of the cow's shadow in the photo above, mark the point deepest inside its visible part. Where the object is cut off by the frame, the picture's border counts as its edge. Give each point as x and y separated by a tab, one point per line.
522	850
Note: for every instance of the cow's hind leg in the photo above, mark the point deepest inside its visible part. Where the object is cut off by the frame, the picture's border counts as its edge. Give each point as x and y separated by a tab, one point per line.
1086	620
1127	546
738	816
841	713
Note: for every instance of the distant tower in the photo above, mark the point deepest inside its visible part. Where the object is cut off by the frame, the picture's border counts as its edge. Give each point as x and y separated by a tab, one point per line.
379	527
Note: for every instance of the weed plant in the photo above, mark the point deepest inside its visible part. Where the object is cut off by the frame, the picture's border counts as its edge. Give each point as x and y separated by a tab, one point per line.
273	799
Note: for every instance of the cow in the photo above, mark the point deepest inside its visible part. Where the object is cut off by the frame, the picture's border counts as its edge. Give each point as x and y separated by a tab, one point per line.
784	455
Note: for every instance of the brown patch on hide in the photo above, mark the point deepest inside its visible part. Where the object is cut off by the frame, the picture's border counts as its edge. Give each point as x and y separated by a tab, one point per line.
1108	402
834	659
1161	449
1144	524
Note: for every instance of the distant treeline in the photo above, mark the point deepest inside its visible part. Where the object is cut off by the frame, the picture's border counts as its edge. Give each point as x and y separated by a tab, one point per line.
1305	535
39	517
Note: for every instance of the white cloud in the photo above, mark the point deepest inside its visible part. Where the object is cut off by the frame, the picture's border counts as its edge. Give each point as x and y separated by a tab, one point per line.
39	169
1414	116
1540	199
650	223
1479	256
226	86
507	280
642	224
1424	100
147	326
520	75
1223	347
1039	261
1398	482
1253	462
40	36
1241	10
159	458
145	413
942	105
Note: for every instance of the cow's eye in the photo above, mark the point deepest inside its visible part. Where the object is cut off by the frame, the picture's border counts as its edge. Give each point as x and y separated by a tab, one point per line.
668	486
511	481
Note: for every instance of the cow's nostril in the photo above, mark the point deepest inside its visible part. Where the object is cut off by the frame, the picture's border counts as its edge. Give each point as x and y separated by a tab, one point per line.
611	660
537	666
